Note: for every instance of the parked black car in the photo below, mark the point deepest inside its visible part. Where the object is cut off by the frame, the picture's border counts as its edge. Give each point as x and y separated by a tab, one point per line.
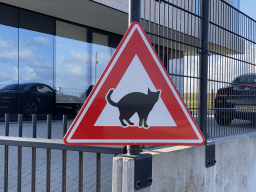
35	98
237	101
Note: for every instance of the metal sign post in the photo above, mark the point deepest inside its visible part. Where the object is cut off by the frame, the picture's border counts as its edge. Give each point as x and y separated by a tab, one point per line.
134	15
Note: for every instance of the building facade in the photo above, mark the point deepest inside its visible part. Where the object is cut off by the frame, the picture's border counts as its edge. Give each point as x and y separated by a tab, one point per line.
64	45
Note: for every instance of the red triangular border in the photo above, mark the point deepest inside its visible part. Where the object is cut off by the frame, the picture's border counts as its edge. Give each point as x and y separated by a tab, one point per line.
83	132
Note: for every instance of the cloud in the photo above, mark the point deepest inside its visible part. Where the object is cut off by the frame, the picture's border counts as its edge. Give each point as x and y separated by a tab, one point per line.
77	62
8	76
27	74
43	41
80	55
73	69
222	70
8	51
76	69
33	66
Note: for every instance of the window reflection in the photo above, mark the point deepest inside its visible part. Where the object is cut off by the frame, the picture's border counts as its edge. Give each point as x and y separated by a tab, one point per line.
176	66
72	66
8	66
35	57
41	72
101	54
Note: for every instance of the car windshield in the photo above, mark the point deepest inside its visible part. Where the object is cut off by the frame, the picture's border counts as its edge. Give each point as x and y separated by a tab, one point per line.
14	87
250	79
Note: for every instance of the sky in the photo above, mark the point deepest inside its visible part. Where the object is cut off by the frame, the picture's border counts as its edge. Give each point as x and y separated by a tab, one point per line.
248	7
68	70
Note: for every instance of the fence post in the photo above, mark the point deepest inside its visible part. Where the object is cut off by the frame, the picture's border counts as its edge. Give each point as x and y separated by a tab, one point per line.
204	67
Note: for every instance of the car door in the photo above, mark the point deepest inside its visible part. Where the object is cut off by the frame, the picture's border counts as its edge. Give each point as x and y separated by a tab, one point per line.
244	93
46	97
251	91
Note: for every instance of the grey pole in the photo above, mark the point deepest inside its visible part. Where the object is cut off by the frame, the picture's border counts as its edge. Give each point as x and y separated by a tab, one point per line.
134	11
134	15
204	67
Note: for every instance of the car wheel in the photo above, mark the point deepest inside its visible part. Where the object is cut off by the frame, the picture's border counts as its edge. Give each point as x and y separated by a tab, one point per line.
222	119
76	108
30	108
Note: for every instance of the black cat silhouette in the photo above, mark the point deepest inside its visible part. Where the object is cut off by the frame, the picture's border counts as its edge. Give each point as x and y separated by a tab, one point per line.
135	102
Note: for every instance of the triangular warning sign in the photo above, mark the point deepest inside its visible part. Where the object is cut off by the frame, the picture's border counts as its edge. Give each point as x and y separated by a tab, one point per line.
134	102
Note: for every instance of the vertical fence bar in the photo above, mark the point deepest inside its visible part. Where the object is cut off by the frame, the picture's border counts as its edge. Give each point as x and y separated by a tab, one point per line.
48	168
34	123
6	153
19	168
49	126
20	122
98	177
33	175
7	124
64	157
204	68
81	174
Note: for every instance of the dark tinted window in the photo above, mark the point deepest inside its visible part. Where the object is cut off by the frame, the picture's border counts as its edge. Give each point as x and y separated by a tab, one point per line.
14	87
115	40
251	79
36	22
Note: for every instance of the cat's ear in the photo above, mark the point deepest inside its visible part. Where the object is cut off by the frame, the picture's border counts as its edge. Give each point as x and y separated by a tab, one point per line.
149	91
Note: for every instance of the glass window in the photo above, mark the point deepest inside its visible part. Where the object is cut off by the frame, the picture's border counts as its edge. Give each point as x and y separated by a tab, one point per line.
115	40
37	51
44	89
101	54
73	71
35	57
176	67
70	31
100	39
8	67
36	22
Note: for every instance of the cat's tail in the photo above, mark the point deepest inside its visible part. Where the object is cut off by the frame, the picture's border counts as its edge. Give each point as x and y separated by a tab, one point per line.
110	100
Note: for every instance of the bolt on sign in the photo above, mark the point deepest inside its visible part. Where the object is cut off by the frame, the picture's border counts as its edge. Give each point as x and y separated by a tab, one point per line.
134	102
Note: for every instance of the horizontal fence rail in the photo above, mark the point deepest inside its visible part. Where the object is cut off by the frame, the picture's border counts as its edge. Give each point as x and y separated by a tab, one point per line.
51	146
174	29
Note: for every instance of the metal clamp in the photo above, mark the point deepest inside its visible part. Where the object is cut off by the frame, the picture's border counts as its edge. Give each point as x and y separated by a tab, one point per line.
142	171
210	159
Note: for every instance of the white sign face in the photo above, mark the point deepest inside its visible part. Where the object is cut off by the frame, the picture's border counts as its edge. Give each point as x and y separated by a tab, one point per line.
159	116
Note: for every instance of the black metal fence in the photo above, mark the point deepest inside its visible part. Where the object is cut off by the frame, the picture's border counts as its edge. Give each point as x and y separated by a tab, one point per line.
219	90
35	163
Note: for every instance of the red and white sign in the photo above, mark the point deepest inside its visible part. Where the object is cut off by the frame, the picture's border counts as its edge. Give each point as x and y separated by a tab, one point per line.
118	111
